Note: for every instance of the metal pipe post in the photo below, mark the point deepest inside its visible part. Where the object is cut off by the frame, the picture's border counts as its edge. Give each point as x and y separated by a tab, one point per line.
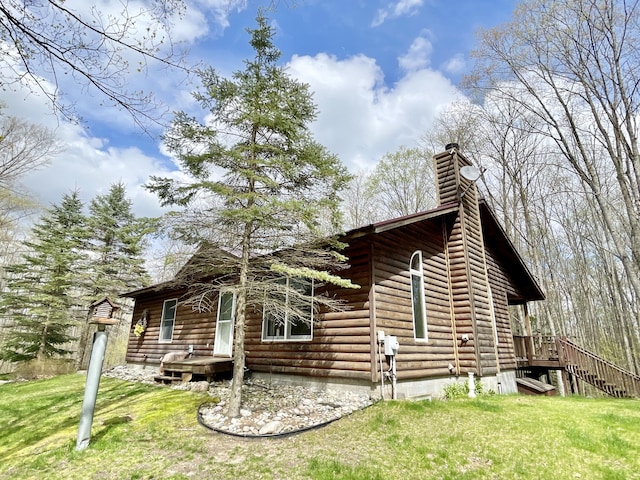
91	388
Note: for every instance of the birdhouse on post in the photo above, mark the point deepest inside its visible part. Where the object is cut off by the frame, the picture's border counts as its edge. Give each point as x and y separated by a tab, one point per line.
101	313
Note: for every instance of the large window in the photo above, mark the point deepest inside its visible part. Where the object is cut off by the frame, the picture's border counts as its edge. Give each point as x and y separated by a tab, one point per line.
417	297
168	320
288	310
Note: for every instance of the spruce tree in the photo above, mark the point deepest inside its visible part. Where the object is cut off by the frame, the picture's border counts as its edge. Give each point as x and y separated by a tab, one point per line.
41	297
259	184
116	243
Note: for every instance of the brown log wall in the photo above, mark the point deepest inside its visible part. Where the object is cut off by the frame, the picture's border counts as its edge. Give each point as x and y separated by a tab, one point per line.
392	253
341	344
484	337
190	328
501	288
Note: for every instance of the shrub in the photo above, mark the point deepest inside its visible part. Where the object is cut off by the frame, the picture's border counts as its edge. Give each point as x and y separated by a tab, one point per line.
461	390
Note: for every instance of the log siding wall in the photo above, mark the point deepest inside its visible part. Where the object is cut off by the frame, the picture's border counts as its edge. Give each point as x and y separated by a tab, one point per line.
190	328
502	288
341	343
394	314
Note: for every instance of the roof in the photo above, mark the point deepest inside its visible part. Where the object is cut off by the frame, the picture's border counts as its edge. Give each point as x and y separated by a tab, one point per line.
494	235
103	300
392	223
157	287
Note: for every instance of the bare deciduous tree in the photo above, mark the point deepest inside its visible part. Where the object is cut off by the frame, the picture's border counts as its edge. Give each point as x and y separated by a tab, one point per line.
97	46
571	64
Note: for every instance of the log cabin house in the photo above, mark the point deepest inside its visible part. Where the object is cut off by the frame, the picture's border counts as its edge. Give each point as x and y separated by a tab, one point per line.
441	281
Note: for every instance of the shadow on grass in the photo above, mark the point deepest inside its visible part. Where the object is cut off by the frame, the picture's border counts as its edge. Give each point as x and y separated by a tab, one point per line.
32	412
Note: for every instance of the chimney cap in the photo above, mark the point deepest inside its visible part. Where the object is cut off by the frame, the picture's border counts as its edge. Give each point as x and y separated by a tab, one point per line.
449	146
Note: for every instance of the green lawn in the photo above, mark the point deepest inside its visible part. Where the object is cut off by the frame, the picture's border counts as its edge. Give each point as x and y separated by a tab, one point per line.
144	432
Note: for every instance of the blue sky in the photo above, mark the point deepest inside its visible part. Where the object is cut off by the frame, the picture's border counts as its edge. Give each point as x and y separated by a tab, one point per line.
380	71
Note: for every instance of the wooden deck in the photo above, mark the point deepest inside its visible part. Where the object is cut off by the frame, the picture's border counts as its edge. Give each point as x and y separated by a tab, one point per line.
539	351
184	370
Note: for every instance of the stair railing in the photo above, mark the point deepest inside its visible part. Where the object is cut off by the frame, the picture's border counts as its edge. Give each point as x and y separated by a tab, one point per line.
599	372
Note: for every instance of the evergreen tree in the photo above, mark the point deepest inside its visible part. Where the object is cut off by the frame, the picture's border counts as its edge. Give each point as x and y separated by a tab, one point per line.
117	242
117	239
41	296
260	184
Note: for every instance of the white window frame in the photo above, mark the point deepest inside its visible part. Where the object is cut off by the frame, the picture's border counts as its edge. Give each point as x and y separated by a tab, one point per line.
163	320
232	321
417	274
286	327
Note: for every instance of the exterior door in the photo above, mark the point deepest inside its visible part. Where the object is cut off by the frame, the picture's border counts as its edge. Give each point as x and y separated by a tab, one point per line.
223	344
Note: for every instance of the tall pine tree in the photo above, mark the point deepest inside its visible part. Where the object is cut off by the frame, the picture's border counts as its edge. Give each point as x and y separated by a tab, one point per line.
116	243
41	297
260	184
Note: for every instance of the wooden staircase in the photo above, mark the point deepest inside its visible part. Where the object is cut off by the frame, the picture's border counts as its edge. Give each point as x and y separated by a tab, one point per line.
596	371
541	353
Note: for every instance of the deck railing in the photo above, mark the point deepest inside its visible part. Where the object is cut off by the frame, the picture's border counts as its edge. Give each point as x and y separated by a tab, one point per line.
537	348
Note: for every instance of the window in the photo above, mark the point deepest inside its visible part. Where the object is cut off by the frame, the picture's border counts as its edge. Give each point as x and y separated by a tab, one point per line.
168	320
289	316
417	297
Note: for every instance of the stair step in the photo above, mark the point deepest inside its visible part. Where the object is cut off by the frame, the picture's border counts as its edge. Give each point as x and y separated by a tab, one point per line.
167	379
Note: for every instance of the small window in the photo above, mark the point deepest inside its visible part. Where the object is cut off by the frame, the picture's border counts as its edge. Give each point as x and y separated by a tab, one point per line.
417	297
168	320
290	315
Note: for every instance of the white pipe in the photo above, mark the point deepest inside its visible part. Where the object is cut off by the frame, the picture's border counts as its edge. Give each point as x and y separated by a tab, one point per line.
393	378
472	386
381	373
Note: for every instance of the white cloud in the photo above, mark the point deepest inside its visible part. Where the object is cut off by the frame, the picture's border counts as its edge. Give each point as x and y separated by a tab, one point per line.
87	163
417	57
455	65
360	117
395	10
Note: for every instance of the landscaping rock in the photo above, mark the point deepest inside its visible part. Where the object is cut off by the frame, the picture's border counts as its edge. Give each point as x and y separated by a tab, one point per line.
199	386
267	409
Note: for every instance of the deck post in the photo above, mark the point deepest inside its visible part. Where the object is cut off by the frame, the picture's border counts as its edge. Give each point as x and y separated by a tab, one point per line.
529	340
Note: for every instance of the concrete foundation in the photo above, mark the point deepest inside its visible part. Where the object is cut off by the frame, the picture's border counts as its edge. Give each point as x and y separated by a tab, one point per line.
428	388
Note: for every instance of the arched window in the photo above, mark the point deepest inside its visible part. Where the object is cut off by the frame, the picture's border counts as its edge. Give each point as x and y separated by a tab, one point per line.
417	297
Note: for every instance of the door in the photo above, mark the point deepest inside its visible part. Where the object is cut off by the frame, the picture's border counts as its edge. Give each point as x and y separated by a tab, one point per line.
223	344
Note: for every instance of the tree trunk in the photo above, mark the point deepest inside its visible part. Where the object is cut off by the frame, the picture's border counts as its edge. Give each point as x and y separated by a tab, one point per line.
235	400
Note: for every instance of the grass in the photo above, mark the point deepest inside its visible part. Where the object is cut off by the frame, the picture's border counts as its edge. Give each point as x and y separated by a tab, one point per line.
147	432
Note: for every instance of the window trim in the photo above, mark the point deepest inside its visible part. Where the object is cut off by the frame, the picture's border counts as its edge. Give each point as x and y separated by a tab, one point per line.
173	320
419	275
232	320
287	337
